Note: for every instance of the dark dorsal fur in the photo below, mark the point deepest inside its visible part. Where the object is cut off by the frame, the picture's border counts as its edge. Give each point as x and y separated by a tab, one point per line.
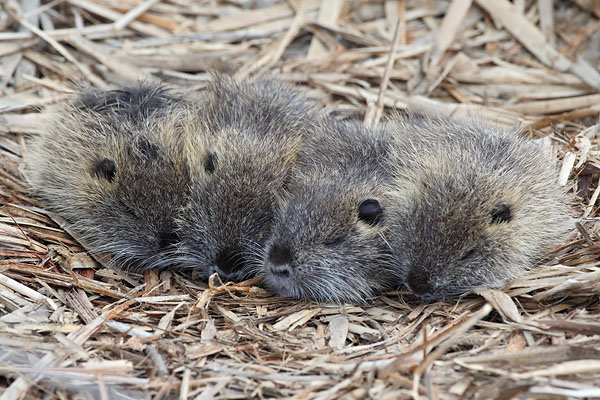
248	138
478	205
328	242
114	165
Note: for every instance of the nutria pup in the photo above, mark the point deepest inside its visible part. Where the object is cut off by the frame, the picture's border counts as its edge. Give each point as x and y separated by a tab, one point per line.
113	164
159	181
477	206
251	133
441	206
329	241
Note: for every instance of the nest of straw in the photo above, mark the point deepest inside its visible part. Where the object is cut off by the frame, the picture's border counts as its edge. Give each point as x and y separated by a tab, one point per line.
72	328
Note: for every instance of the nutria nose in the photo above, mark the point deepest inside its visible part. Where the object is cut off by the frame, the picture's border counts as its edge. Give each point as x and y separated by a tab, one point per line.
279	255
230	260
418	281
279	258
167	238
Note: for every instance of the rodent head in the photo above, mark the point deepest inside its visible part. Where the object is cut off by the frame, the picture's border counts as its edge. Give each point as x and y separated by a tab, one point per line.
456	236
329	242
477	208
238	180
112	163
247	141
135	186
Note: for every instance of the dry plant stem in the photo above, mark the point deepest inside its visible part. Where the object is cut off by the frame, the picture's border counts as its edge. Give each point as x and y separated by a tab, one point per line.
547	20
273	53
18	287
372	118
150	349
79	337
592	201
61	34
446	34
134	13
121	67
329	13
242	341
531	37
584	233
149	30
85	70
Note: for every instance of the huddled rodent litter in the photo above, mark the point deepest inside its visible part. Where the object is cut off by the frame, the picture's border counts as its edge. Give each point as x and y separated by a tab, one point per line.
249	178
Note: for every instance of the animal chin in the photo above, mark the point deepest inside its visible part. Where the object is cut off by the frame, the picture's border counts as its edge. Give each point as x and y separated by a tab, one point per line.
284	291
430	298
281	287
214	268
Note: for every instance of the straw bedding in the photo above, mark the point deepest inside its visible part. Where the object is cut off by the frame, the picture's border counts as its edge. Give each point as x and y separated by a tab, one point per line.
72	328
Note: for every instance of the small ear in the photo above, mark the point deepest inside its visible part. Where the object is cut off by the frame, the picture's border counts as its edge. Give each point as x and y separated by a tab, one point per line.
210	163
105	168
370	211
501	213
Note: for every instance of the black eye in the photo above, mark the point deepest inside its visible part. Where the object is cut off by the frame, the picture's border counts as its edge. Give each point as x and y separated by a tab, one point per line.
501	213
105	168
210	163
370	211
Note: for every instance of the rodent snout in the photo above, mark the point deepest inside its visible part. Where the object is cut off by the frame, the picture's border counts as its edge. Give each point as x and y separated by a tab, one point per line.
418	281
279	259
230	260
167	238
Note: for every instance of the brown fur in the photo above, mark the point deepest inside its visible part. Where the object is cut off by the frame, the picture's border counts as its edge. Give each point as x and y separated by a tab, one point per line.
159	181
479	205
114	165
328	243
463	205
253	131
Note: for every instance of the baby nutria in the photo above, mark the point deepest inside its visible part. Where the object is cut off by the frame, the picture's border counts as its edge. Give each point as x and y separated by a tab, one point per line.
112	164
455	205
329	242
477	206
157	181
251	134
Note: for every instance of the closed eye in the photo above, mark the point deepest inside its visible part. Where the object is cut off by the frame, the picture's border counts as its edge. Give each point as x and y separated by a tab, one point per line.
468	254
335	241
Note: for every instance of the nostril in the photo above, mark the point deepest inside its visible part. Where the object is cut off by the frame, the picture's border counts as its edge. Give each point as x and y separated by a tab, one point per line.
282	270
280	255
230	260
